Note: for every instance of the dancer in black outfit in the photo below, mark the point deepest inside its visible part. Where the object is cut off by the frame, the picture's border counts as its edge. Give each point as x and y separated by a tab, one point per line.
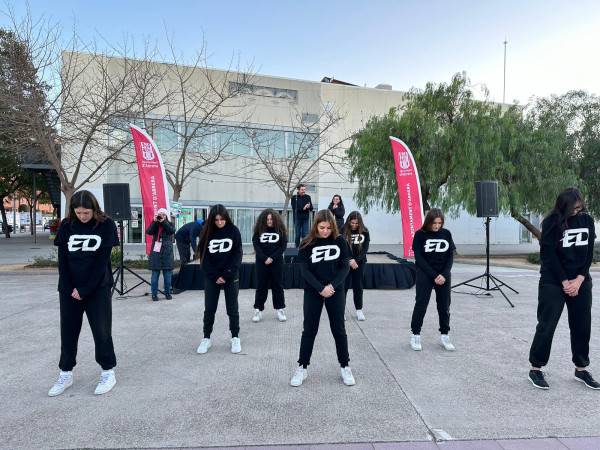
323	259
85	240
220	245
434	255
357	236
337	209
269	239
566	251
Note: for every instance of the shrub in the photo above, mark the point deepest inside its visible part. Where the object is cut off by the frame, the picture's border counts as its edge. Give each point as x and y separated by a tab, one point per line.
534	258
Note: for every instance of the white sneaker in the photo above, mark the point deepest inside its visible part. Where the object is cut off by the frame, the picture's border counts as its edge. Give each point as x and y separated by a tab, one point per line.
257	315
107	382
360	315
445	341
236	345
65	379
299	376
347	376
415	342
281	315
204	346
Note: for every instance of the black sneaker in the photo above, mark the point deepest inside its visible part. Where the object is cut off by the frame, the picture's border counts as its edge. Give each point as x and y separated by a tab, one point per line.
155	297
168	296
538	380
585	377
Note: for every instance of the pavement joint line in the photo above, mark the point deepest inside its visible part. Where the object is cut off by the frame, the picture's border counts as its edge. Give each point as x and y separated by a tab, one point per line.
28	309
430	431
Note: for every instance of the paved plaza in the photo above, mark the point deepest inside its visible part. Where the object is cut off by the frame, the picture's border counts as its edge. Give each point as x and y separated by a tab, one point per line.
167	396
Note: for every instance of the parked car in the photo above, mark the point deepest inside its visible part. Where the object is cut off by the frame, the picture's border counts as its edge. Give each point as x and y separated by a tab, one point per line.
47	225
10	227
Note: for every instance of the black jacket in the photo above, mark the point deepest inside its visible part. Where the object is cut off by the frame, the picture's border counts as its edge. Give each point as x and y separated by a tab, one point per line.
163	260
298	204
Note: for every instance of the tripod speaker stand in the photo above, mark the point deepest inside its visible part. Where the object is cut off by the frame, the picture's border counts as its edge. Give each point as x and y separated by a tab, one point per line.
487	275
121	268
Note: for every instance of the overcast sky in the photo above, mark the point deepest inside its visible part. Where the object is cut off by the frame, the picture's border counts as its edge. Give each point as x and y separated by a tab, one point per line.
552	45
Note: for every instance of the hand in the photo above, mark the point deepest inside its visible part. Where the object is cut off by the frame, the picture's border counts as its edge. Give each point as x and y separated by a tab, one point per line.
353	264
328	291
75	294
221	280
307	205
439	280
334	206
571	287
268	261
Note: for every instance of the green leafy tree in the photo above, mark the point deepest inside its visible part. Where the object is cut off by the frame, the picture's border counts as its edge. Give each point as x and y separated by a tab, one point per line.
457	140
450	134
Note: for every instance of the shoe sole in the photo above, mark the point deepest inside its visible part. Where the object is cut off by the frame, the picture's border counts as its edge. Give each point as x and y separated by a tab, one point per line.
349	384
587	385
236	351
448	349
539	387
416	349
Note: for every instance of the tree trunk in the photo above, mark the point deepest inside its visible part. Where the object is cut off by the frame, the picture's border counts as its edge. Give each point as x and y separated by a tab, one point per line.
527	224
6	232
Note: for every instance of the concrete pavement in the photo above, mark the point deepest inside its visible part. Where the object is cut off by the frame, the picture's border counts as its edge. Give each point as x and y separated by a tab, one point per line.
167	396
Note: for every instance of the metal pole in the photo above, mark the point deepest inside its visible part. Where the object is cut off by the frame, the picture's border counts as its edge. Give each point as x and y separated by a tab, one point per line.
34	204
504	88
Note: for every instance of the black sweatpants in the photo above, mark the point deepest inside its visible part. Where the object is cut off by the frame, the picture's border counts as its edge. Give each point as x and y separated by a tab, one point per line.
269	274
183	248
335	306
424	286
355	281
98	309
211	301
551	302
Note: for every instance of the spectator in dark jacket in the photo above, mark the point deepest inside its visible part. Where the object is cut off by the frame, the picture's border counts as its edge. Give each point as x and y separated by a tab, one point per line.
188	235
301	206
161	253
337	209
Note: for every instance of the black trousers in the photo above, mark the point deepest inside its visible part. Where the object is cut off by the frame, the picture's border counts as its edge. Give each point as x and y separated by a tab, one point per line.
98	308
269	274
335	306
211	301
424	286
355	281
183	248
551	302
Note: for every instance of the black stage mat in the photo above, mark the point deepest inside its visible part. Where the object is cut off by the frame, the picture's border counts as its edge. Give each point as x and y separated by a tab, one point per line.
399	274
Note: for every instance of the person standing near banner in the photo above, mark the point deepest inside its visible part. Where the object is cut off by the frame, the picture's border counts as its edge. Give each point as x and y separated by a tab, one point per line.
188	235
221	256
85	240
302	206
161	253
337	209
269	239
357	236
566	251
434	255
323	259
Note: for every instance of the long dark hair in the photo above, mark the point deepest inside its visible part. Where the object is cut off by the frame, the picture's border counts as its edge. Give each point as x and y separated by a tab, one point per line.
209	228
340	197
322	216
261	223
432	214
354	215
85	199
564	208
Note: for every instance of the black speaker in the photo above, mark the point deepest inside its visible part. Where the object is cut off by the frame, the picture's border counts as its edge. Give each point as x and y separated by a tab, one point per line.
116	201
290	255
486	193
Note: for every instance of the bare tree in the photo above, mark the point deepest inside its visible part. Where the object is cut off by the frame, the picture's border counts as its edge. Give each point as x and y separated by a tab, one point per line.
69	102
317	145
199	102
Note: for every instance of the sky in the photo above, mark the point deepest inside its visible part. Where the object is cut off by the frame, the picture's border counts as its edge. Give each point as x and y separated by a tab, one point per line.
552	46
